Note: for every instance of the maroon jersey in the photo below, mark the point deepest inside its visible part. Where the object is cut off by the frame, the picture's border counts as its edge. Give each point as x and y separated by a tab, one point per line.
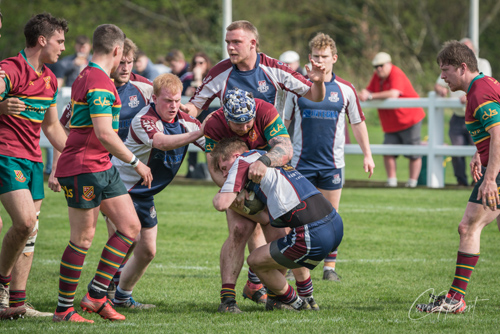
20	134
267	125
93	95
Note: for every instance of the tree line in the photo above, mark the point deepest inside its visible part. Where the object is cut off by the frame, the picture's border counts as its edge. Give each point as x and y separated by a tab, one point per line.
411	31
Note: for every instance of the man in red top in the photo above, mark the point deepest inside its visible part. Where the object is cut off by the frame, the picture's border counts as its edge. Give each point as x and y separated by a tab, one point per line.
400	125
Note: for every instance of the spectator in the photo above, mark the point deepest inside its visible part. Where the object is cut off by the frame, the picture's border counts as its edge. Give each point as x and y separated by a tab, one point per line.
292	58
177	62
400	125
67	69
144	66
458	132
200	65
160	65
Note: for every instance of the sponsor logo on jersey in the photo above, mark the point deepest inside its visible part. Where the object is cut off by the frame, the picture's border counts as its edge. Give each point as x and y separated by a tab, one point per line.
336	179
88	193
209	147
334	97
133	101
491	114
276	129
31	83
20	176
47	82
102	103
263	87
152	212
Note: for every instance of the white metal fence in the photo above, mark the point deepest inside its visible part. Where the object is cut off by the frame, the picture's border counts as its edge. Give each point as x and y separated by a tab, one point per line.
435	150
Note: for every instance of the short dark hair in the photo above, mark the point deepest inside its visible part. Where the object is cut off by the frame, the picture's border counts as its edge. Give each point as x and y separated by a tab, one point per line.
43	25
455	53
106	37
82	39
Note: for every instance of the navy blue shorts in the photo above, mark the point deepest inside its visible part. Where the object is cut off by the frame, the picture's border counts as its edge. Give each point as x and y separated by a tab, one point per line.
146	211
308	245
327	179
475	191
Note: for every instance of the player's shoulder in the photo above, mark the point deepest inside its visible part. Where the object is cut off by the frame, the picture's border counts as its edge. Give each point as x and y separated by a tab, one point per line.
219	68
134	77
187	118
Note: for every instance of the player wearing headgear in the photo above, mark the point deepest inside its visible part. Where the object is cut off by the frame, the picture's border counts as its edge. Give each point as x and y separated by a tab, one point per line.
292	202
258	124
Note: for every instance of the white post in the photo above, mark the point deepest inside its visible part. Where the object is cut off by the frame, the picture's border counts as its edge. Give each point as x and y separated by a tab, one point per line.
227	18
474	24
435	117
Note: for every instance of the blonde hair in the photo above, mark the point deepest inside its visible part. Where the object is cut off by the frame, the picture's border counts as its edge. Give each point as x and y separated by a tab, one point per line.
322	41
169	81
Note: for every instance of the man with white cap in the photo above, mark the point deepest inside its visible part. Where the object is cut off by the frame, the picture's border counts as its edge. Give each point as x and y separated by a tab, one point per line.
400	125
292	58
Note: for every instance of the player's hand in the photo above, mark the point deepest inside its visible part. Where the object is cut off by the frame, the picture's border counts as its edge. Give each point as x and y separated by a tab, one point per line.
145	172
53	182
12	106
475	167
368	166
256	171
317	72
488	193
239	201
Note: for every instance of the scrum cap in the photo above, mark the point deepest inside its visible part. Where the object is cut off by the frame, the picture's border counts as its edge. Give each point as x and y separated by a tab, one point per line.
239	106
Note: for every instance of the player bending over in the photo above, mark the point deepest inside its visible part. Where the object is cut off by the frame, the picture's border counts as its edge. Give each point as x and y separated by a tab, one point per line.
293	202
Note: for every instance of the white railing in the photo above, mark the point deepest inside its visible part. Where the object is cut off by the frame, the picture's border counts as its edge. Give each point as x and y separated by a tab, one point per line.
435	150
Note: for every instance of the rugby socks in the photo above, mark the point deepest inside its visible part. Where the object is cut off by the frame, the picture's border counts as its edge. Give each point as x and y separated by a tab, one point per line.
112	257
228	291
305	288
122	296
331	260
70	270
116	277
17	298
5	280
252	278
465	266
290	297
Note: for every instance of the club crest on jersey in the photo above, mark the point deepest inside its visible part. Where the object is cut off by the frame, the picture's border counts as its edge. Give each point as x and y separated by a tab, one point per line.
152	212
47	82
252	135
133	101
336	179
334	97
20	176
88	193
263	87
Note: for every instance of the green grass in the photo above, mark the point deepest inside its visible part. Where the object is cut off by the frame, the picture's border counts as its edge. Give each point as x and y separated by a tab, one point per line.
398	243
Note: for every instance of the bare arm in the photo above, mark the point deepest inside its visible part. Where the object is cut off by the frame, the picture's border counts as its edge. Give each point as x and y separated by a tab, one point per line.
280	154
165	142
361	134
317	75
54	130
488	190
103	128
222	201
190	109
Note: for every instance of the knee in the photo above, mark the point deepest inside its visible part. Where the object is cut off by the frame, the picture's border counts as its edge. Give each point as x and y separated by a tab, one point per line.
241	232
25	227
253	262
148	255
464	228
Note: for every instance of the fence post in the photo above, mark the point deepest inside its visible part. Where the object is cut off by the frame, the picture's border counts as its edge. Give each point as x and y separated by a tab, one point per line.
435	117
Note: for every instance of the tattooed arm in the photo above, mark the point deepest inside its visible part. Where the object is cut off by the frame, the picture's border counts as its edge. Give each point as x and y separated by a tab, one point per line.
281	152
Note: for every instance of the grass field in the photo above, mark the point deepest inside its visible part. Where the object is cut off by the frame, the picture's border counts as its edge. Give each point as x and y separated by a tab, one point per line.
398	243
